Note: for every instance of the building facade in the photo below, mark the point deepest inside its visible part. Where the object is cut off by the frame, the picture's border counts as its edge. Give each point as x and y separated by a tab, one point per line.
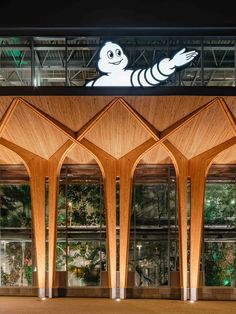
121	191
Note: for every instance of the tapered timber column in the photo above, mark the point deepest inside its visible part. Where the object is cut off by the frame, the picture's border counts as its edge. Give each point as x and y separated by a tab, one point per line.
125	170
38	172
126	167
54	166
110	205
52	236
181	168
197	171
198	168
108	166
37	169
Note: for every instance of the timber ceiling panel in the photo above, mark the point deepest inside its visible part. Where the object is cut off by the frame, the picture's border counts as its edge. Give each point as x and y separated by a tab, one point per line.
205	131
72	111
231	102
157	155
9	157
78	155
33	133
4	104
163	111
118	132
226	157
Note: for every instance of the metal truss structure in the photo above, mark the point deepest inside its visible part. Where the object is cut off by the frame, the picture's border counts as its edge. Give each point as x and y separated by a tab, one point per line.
71	61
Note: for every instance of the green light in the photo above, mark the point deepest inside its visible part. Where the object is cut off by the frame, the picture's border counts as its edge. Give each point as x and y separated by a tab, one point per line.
226	282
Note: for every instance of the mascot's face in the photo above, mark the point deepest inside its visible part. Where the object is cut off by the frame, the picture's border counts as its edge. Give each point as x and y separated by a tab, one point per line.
112	58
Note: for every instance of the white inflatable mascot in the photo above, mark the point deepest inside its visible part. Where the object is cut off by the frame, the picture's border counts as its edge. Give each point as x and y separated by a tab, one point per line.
113	62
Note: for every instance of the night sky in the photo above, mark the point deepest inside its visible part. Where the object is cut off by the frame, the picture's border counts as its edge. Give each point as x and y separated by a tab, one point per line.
120	13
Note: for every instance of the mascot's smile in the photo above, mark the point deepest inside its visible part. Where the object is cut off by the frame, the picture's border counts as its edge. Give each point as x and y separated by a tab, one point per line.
116	63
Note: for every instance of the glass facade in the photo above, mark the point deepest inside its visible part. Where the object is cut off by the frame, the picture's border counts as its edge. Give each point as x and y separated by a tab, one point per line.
81	243
16	244
154	227
81	228
72	61
219	244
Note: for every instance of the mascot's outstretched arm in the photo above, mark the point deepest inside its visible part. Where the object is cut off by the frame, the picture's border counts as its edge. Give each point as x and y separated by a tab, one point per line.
113	62
161	71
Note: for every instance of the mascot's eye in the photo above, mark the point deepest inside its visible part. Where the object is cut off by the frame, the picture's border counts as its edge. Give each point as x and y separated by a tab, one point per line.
118	52
110	54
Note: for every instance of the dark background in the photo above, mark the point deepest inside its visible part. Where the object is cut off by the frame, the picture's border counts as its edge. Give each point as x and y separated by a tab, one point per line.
117	13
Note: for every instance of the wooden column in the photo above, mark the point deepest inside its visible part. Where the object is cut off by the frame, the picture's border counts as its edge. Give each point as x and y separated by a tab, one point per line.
53	185
126	167
110	205
37	169
198	168
181	169
197	171
54	166
125	172
38	172
108	165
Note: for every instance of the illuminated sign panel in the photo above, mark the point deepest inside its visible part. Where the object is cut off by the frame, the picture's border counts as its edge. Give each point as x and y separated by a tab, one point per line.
113	62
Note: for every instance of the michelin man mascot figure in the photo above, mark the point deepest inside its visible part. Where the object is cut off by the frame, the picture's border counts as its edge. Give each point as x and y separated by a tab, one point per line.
113	62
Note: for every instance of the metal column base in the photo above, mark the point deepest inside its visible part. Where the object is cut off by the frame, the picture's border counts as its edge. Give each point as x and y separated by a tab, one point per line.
193	296
42	293
50	293
184	294
113	293
122	293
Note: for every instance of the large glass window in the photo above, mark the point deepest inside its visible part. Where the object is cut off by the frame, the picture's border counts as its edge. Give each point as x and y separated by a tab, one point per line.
81	244
154	230
72	60
219	245
16	252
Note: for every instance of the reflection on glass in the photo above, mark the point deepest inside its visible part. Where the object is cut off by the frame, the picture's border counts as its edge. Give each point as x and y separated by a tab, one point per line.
15	235
220	264
81	244
86	260
153	229
219	248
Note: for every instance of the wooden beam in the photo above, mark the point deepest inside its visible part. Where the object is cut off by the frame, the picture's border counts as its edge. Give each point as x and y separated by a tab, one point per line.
209	155
79	135
142	121
22	152
7	115
91	123
55	123
230	117
174	127
181	168
136	154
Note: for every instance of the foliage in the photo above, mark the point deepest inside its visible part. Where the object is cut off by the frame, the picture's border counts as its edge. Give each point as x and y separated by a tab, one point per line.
150	203
219	257
220	204
15	207
220	264
85	205
84	261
